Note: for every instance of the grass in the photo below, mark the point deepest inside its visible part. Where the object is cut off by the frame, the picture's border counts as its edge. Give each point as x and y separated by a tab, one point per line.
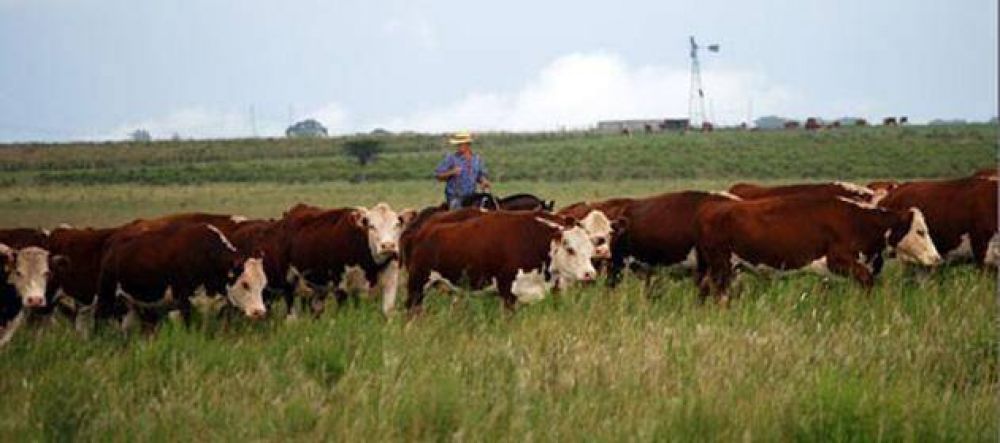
796	358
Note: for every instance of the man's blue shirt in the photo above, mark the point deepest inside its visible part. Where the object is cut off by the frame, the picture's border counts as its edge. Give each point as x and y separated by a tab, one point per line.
465	183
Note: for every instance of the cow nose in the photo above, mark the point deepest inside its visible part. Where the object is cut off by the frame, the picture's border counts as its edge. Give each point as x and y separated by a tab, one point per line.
35	302
588	276
258	314
388	246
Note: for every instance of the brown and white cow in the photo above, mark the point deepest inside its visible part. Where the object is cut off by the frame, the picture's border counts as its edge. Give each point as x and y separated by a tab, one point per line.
345	249
27	274
602	220
23	237
660	230
163	267
749	191
521	253
76	282
961	214
821	234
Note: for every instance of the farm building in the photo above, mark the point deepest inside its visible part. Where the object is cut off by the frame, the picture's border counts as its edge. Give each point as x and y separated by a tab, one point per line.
638	125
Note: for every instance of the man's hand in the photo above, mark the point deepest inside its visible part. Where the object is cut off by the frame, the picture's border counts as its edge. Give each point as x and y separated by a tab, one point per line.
485	184
457	170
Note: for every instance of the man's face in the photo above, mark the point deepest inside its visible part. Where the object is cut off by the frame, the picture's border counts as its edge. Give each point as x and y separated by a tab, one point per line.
465	148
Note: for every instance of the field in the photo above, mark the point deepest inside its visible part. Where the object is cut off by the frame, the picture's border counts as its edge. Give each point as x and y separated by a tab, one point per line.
796	358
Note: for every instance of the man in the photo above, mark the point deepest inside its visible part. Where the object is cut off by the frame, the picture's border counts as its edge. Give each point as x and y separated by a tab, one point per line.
461	170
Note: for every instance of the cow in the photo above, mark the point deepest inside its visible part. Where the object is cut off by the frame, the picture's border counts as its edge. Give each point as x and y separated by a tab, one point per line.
825	235
163	267
852	191
889	121
25	287
76	281
961	214
813	124
516	202
660	231
602	220
345	250
479	249
791	124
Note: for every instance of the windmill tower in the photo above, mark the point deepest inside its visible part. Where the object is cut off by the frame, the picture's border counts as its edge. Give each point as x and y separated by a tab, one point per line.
696	97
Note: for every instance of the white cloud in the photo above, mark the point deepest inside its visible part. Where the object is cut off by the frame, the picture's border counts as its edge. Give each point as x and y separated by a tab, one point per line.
412	28
577	90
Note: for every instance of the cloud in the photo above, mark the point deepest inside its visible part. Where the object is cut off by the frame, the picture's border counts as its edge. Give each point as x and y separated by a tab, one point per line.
412	28
577	90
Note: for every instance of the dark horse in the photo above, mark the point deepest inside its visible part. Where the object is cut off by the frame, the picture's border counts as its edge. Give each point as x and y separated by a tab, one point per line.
516	202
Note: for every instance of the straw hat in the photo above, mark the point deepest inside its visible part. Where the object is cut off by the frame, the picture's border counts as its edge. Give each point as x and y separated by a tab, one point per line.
460	137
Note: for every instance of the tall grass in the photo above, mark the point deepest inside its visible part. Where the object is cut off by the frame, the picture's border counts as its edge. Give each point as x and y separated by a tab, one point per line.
793	359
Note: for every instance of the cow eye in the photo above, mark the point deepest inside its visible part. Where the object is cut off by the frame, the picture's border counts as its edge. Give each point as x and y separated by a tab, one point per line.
19	273
921	232
570	251
599	241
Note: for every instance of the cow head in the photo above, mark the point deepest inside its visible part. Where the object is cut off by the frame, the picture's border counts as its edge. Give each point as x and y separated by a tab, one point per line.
29	271
246	289
383	227
599	229
911	240
882	188
571	252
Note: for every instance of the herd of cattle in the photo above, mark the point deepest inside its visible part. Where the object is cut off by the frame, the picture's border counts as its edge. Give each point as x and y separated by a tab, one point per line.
517	246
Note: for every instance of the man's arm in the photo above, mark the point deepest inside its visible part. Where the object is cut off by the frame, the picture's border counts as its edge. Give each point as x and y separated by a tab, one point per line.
446	169
483	179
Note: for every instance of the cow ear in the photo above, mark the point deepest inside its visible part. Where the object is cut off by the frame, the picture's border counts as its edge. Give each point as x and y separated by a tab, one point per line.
257	253
550	206
407	215
360	217
620	224
9	256
59	263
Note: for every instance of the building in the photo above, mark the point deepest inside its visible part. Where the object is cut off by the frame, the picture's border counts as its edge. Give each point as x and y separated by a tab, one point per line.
639	126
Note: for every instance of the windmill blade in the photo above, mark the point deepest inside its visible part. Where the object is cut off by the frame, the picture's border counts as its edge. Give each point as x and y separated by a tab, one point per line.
713	48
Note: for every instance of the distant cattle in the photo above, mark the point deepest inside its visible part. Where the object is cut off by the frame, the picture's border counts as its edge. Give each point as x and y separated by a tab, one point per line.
791	124
481	251
833	189
904	120
860	122
889	121
812	124
162	267
821	234
961	214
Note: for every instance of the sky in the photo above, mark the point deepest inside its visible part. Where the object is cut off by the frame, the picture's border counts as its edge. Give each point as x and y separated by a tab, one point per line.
98	69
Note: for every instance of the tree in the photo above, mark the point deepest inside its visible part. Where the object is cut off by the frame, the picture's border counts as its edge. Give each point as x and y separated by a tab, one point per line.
364	150
140	135
307	129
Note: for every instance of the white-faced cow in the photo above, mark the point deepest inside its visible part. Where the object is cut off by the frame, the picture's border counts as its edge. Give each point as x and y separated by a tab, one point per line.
163	267
820	234
522	253
961	214
345	250
27	274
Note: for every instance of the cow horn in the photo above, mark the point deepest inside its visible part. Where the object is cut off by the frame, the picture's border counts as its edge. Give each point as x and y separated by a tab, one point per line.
549	223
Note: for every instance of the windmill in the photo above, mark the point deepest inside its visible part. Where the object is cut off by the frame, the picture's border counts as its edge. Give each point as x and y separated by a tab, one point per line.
696	97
